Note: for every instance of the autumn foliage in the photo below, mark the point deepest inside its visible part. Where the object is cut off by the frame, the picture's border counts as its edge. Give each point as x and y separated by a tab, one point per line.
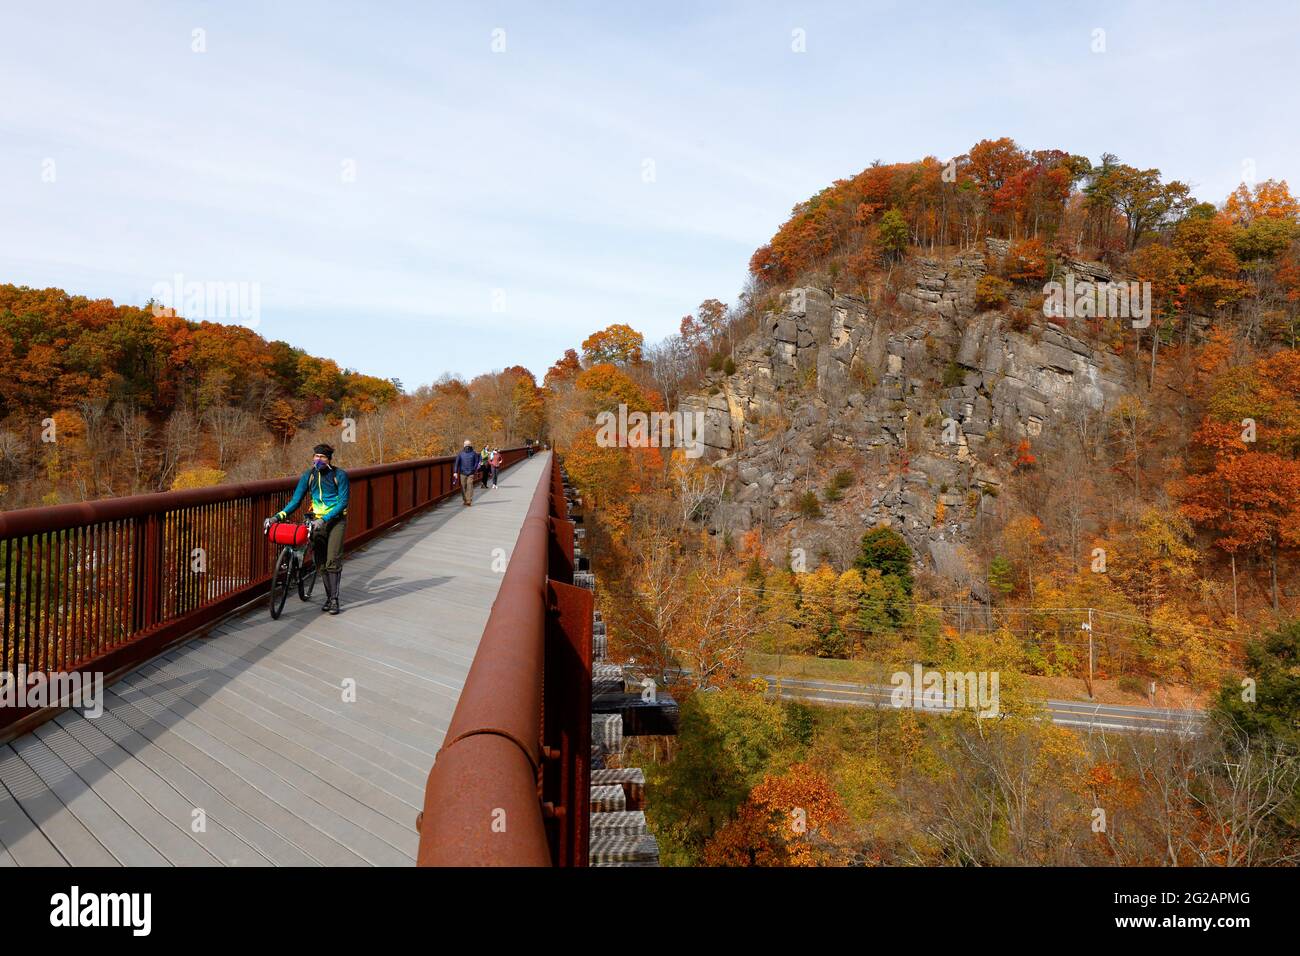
1118	546
792	819
145	400
1243	488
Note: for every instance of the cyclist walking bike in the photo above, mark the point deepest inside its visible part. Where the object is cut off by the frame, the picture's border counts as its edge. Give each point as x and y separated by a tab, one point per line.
326	522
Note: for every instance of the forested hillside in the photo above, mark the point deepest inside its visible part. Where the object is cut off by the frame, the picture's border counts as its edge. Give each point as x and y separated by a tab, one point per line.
98	399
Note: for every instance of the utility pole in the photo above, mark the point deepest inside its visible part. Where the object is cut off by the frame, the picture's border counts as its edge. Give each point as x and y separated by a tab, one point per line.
1088	627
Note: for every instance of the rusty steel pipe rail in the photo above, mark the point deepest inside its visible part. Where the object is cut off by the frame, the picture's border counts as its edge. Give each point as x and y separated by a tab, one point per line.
510	785
102	586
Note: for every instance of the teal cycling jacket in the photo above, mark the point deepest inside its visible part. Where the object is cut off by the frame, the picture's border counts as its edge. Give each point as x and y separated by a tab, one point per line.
329	492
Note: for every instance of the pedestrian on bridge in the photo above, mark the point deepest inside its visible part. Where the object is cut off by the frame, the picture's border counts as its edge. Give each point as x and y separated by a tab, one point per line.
328	511
495	461
463	470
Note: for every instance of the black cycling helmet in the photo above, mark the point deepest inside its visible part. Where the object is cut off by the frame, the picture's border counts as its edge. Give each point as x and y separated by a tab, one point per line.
323	449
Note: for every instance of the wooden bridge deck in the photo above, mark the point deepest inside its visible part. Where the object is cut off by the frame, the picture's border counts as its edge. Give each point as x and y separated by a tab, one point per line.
246	731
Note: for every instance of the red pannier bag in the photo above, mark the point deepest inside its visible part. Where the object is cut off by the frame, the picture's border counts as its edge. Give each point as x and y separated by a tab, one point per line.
284	532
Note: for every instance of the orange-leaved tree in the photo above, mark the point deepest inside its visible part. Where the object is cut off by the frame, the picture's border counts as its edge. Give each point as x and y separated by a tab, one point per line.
791	819
1248	500
1245	460
620	344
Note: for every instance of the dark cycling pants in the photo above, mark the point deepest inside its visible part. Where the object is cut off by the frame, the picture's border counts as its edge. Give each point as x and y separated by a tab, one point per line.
327	546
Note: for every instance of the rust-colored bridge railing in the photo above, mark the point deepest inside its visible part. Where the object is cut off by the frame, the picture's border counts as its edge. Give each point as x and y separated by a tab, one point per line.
511	784
101	586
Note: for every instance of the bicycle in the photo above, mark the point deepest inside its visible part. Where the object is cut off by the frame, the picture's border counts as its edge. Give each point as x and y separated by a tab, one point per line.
294	564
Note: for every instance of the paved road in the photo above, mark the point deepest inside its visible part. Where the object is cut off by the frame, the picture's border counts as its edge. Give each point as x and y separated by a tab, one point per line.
1111	717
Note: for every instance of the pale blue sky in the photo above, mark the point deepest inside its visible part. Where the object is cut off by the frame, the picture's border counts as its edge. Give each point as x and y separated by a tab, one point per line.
522	171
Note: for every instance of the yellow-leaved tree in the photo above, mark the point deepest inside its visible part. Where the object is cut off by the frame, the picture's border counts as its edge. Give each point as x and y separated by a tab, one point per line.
198	477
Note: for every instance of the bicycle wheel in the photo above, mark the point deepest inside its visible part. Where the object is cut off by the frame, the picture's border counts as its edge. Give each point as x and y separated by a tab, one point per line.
280	581
307	576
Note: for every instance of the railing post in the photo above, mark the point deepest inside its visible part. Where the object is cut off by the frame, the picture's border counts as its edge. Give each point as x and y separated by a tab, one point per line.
560	546
146	571
369	514
566	777
256	543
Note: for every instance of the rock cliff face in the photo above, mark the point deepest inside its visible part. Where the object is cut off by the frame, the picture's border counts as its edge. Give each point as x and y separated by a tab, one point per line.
924	400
